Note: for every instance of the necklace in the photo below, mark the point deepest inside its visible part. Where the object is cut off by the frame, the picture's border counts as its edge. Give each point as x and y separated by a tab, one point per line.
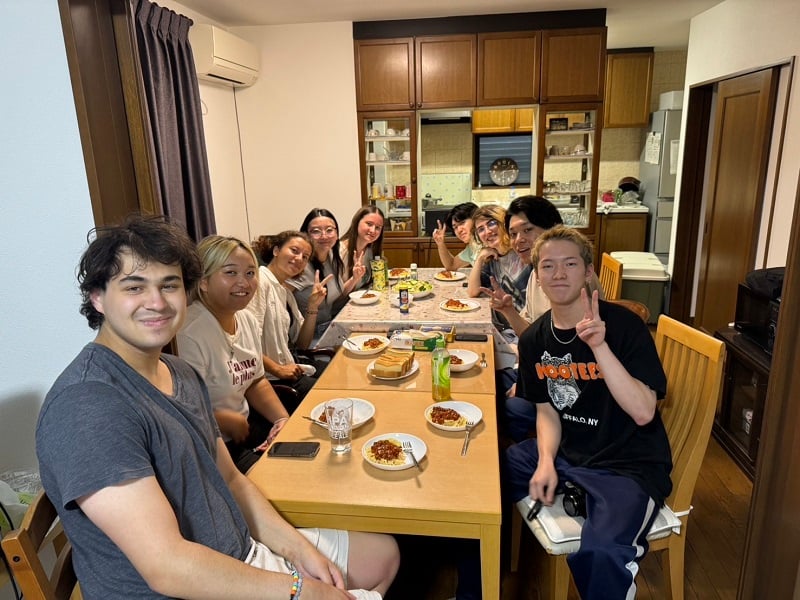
553	331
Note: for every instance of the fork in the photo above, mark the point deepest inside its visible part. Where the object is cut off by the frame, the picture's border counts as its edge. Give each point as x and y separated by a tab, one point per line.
467	429
408	448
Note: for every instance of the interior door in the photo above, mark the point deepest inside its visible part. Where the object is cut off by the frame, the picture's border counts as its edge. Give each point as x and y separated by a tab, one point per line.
736	177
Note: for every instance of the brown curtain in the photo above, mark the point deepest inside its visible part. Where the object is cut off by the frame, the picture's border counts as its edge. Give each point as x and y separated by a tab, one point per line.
173	103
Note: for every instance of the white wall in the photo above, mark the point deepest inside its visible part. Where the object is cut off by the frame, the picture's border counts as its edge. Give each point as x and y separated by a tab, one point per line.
45	214
742	35
299	145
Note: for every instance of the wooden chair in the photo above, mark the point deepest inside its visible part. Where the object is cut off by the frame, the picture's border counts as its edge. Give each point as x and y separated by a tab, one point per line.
41	528
637	307
693	362
610	277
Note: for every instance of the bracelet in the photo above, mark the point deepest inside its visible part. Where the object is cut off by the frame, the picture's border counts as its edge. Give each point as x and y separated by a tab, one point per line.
312	312
297	585
281	420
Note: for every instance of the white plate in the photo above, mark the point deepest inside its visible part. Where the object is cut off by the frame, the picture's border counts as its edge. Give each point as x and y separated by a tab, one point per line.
357	297
363	411
470	305
399	273
469	411
454	276
417	293
468	356
394	300
414	368
418	447
356	344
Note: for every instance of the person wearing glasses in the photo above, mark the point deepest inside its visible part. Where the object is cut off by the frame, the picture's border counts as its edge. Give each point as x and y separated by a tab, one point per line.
496	261
459	219
365	238
320	225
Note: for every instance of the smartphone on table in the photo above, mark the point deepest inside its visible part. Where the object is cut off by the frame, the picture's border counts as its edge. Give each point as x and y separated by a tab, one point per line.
294	449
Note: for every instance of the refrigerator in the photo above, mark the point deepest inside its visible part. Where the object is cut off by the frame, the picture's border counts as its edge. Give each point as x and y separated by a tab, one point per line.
658	168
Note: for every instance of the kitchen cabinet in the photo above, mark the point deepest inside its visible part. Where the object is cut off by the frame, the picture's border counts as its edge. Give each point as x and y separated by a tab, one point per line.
384	72
629	77
568	162
508	68
573	65
387	153
445	71
409	73
621	231
502	120
737	423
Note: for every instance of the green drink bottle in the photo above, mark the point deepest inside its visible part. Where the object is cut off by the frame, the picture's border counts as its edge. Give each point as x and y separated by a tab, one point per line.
440	371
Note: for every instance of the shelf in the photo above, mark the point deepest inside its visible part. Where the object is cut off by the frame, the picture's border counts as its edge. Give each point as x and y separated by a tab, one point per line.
569	131
387	138
567	157
375	163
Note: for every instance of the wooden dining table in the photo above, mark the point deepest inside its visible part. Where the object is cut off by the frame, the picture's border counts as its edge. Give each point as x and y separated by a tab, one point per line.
451	496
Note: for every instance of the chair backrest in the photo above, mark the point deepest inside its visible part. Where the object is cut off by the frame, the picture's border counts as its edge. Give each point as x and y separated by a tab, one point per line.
635	306
610	276
693	362
39	528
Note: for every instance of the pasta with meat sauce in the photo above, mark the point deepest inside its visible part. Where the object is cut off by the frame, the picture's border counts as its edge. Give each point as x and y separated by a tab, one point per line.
447	417
387	452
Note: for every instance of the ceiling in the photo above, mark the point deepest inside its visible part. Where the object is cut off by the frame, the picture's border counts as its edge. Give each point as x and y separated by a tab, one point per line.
631	23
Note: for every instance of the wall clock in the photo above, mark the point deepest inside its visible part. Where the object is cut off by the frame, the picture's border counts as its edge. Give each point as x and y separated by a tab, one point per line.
504	171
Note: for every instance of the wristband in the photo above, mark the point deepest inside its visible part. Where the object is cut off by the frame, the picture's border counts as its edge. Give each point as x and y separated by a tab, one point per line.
297	585
312	312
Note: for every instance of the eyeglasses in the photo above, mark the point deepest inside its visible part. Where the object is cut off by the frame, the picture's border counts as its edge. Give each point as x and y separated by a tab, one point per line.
491	224
316	232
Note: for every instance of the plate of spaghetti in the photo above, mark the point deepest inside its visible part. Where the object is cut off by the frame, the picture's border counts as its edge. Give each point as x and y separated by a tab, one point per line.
449	276
452	415
385	451
456	305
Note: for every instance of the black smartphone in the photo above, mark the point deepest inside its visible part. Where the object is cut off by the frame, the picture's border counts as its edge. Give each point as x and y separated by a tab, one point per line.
294	449
471	337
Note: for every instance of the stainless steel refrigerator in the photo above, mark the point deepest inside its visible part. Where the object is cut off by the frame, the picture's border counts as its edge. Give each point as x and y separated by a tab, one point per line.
657	170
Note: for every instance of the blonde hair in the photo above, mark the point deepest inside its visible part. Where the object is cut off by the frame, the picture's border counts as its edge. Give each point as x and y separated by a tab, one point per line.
567	234
215	250
492	212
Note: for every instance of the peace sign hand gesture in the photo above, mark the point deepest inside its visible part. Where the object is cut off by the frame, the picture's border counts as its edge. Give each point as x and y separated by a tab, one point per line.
438	233
591	329
319	291
499	299
358	265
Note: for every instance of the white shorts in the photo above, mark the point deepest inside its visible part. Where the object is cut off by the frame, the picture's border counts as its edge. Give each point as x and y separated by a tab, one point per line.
332	543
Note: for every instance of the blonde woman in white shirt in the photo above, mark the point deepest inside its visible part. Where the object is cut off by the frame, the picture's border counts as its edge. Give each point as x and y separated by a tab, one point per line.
283	326
221	341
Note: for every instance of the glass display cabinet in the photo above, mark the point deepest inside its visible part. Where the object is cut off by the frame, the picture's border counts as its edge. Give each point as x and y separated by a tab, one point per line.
568	162
387	151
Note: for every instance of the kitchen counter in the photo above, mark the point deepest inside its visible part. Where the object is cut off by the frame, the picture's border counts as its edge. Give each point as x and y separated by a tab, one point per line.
608	209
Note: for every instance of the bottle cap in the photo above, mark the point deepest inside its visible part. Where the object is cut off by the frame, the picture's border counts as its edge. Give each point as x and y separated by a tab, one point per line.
440	342
413	266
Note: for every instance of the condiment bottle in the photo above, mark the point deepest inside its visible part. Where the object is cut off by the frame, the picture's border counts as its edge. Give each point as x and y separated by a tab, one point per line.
402	299
378	266
413	271
440	371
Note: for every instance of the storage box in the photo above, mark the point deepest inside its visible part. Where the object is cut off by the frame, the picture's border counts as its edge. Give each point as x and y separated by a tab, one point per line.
671	100
644	280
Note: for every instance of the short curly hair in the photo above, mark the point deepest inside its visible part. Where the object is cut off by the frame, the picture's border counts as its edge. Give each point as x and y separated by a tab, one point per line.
148	239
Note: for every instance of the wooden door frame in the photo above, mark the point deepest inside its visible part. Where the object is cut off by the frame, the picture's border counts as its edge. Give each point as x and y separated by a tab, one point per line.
100	41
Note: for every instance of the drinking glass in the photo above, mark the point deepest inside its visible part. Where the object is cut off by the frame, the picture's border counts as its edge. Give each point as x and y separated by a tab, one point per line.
339	413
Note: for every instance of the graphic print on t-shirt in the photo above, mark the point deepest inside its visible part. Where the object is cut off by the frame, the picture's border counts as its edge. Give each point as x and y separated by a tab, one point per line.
242	371
562	375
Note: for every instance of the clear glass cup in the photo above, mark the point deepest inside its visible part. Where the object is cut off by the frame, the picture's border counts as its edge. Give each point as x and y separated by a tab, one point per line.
339	415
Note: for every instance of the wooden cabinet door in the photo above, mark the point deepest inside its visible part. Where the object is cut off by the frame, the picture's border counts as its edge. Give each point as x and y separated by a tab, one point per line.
621	231
508	68
573	65
399	253
629	77
384	74
445	71
523	119
493	121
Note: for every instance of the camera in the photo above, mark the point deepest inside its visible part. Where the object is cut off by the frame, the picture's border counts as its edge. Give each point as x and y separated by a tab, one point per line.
574	500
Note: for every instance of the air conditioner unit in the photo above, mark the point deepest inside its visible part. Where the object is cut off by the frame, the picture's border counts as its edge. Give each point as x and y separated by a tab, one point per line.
222	57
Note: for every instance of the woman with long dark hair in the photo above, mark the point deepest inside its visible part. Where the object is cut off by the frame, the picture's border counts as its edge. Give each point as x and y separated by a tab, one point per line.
321	227
362	242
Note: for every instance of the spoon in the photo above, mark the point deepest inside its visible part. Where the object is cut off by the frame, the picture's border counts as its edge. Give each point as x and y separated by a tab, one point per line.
483	362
